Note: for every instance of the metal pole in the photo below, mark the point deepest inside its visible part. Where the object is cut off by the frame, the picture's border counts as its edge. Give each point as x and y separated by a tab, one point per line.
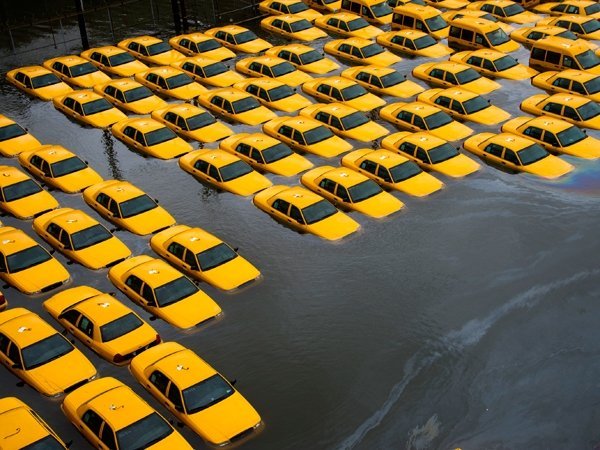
184	18
176	16
110	22
81	21
152	12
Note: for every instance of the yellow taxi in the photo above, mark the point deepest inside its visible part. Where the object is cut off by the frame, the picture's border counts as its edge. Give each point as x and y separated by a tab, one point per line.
238	39
265	154
15	139
196	394
530	35
343	90
208	71
204	257
376	12
582	26
291	26
22	428
224	170
59	168
471	33
581	111
273	94
114	61
307	135
305	58
448	4
130	96
88	108
464	105
419	116
414	43
505	11
21	196
325	6
588	8
101	322
192	122
476	13
151	50
555	135
27	266
40	356
423	18
345	121
449	73
38	82
516	153
236	105
163	291
351	190
170	82
383	81
431	153
128	207
360	51
76	71
150	137
570	81
494	64
202	45
272	67
392	171
111	415
80	238
287	7
347	25
305	212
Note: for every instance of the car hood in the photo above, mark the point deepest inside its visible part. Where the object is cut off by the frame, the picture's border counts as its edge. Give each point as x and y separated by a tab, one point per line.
62	373
295	78
211	133
334	227
190	311
310	34
49	92
482	86
187	92
255	46
219	54
367	132
378	206
290	165
435	51
32	205
586	148
457	167
453	131
320	67
103	253
14	146
405	89
248	184
40	276
132	341
519	72
225	79
507	47
76	181
256	116
170	149
232	274
383	59
166	58
330	147
290	104
549	167
420	185
91	79
147	105
489	116
129	69
365	102
150	221
106	118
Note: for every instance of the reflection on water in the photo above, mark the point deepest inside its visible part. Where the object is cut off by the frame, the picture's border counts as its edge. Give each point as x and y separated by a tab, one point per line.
111	157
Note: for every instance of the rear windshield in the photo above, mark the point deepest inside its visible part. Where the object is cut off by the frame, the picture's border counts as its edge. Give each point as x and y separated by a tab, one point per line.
159	136
372	50
353	91
357	24
234	170
300	25
424	42
280	92
442	153
215	256
276	152
158	48
20	190
46	350
179	80
199	121
144	433
82	69
318	211
138	93
467	75
47	79
356	119
90	236
437	120
245	36
206	393
588	111
96	106
497	37
137	205
532	154
174	291
475	104
588	59
120	327
120	59
215	69
436	23
67	166
364	190
311	56
571	136
27	258
46	443
317	135
11	131
404	171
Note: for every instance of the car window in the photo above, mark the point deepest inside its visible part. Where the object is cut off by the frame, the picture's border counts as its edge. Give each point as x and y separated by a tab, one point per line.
296	214
71	316
281	206
443	101
14	355
190	259
148	295
176	250
86	326
134	283
494	149
4	343
564	83
552	107
383	173
550	138
160	381
533	132
175	396
93	421
213	172
201	165
328	185
369	166
342	193
422	155
108	437
65	240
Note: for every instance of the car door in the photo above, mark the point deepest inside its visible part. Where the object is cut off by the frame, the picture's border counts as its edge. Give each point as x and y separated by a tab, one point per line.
133	288
327	188
280	209
510	159
175	252
367	167
493	152
34	165
190	262
91	425
158	384
10	354
52	234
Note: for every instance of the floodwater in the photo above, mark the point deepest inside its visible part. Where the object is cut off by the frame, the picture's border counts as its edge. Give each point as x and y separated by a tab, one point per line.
469	319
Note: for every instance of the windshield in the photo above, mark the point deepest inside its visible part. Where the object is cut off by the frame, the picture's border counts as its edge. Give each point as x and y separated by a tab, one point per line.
436	23
437	120
442	153
120	59
588	59
504	63
568	35
120	327
404	171
276	152
371	50
206	46
174	291
158	48
144	433
591	26
364	190
588	110
592	9
206	393
532	154
138	93
67	166
82	69
179	80
356	119
512	10
96	106
245	36
46	443
215	256
27	258
570	136
475	104
357	24
20	190
234	170
280	92
215	69
137	205
245	104
199	121
497	37
353	91
282	68
424	42
11	131
381	9
159	136
467	75
300	25
392	79
47	79
310	57
593	85
297	7
317	135
46	350
318	211
90	236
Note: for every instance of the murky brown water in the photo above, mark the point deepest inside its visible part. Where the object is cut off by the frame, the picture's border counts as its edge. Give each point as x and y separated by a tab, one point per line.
469	319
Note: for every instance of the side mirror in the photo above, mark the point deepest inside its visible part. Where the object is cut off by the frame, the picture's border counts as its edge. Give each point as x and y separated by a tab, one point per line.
233	382
179	408
235	249
68	444
156	201
16	366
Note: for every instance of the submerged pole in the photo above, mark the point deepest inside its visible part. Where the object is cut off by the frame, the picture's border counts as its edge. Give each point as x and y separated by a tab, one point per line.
81	21
176	16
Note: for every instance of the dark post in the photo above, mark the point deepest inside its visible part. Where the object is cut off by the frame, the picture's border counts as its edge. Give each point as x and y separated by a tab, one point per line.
176	16
81	21
184	19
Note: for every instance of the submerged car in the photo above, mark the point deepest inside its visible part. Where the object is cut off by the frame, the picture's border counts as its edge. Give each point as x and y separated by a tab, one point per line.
347	25
39	82
15	139
192	122
494	64
583	27
343	90
305	58
577	82
171	82
114	61
76	71
130	96
530	35
292	26
273	94
202	45
208	71
88	108
238	39
151	50
581	111
506	11
577	7
361	51
236	105
21	196
449	74
272	67
383	81
413	42
288	7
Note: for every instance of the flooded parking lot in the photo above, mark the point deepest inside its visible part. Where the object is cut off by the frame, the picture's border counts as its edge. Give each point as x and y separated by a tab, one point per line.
469	319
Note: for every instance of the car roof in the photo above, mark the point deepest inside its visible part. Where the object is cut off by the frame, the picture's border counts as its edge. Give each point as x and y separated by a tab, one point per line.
143	124
69	60
573	18
457	93
301	123
483	25
337	81
562	44
71	220
234	29
165	71
121	191
569	99
419	108
549	123
218	157
449	66
264	82
52	153
285	2
336	109
345	16
13	240
290	18
424	140
344	176
417	10
84	96
33	71
123	84
299	196
185	368
510	141
120	407
26	328
108	50
266	59
375	70
259	141
501	3
357	41
486	53
549	29
102	308
229	93
385	158
10	175
23	427
155	272
185	110
409	33
194	37
196	239
294	48
579	75
201	61
145	40
467	13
